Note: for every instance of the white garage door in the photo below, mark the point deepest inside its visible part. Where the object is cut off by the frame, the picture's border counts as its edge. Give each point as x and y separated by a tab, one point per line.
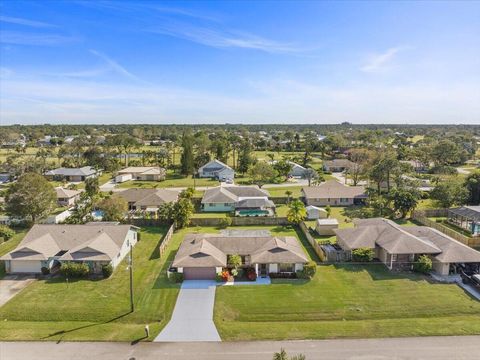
25	266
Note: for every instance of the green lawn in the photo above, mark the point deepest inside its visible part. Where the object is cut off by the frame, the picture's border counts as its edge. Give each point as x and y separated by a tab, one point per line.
172	180
345	301
97	310
279	191
209	215
8	246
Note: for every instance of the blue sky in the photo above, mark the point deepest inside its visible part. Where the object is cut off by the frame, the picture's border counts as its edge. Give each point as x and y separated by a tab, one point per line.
239	62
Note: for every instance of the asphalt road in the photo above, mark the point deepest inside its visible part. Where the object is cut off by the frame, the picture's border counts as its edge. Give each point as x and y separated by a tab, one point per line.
426	348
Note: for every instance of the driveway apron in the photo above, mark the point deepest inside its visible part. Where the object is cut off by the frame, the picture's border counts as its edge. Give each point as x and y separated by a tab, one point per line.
10	285
192	318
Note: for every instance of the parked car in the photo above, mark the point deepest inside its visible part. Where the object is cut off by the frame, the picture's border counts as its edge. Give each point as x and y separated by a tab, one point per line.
471	279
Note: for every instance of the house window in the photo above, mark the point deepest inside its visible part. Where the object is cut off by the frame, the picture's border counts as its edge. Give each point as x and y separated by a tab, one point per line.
286	267
394	257
226	204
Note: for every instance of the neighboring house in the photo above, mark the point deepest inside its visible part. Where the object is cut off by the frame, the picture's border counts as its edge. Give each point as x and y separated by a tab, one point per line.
244	200
144	173
72	174
217	170
147	199
315	212
334	193
51	245
337	165
202	256
466	217
67	197
298	171
399	247
417	165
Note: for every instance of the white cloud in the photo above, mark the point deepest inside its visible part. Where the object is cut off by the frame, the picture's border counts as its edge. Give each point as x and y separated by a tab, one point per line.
222	38
380	62
26	22
20	38
113	65
273	101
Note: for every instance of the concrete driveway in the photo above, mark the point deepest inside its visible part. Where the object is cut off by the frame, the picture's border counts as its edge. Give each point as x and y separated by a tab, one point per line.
11	285
192	318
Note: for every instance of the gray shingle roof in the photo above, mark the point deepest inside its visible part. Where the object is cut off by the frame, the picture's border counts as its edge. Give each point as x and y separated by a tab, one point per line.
83	171
82	242
333	189
208	250
231	194
386	234
148	197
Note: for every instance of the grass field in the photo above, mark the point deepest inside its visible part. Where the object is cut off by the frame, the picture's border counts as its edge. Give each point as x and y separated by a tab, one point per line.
97	310
345	301
172	181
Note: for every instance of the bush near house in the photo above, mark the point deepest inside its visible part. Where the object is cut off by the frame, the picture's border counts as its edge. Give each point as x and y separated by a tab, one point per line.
74	270
107	270
6	233
45	270
309	270
423	265
176	277
362	255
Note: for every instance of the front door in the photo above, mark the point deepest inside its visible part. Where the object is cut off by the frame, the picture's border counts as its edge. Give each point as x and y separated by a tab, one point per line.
263	269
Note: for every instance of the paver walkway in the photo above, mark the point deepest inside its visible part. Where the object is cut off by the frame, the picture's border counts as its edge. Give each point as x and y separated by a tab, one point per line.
192	318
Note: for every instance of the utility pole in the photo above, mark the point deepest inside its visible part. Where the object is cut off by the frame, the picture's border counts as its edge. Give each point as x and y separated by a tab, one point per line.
130	261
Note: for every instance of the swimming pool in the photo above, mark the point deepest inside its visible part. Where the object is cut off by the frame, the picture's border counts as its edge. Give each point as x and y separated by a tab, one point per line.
253	212
98	214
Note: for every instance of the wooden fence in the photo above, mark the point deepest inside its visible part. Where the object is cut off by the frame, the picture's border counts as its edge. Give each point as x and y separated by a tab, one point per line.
166	240
430	213
316	247
446	230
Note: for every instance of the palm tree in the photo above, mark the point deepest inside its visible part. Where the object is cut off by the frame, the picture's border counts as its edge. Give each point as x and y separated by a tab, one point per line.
282	355
289	194
296	212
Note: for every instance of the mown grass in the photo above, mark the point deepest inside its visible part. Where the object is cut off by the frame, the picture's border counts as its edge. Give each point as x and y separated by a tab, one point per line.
346	301
98	309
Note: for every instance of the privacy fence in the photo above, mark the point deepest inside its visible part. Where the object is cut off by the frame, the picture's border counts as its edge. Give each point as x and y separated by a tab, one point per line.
422	216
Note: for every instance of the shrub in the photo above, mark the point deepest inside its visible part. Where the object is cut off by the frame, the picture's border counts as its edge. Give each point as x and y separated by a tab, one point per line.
107	270
219	277
6	233
74	270
225	275
225	222
362	255
251	274
283	275
45	270
176	277
423	265
234	272
309	270
234	260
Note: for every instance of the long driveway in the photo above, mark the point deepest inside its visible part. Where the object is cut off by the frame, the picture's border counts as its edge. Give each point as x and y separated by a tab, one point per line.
425	348
10	285
192	318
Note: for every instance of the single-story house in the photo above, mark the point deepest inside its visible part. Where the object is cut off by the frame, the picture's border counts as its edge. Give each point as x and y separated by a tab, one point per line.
217	170
144	173
297	171
72	174
202	256
95	244
326	227
399	247
418	166
147	199
244	200
466	217
315	212
337	165
333	193
67	197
